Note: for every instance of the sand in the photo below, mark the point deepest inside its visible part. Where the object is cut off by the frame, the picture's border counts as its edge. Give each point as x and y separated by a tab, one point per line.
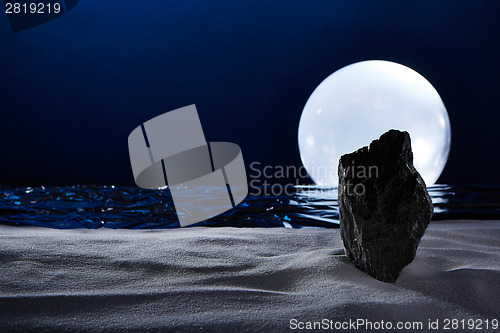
236	280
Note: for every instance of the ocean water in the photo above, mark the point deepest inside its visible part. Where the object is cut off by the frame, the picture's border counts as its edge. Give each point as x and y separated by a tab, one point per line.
131	207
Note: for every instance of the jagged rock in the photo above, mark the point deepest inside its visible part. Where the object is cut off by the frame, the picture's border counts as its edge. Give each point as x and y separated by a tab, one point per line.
384	206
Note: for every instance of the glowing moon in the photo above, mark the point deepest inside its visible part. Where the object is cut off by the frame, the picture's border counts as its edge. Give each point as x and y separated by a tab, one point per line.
360	102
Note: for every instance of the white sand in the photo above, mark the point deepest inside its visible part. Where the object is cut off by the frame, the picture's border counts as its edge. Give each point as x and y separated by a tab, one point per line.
235	280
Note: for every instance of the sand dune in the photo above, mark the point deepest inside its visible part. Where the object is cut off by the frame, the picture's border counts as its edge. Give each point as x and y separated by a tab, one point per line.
236	280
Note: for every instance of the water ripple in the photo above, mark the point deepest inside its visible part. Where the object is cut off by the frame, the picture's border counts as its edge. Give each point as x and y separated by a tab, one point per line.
130	207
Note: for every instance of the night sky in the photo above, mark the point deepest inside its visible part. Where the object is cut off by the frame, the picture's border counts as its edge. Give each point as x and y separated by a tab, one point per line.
74	88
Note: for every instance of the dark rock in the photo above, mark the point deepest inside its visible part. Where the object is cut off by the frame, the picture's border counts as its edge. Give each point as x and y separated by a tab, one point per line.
384	206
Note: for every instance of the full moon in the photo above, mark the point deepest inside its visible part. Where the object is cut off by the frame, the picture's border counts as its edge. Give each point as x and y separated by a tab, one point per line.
358	103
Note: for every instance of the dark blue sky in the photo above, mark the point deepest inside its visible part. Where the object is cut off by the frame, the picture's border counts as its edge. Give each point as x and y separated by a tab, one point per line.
72	89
